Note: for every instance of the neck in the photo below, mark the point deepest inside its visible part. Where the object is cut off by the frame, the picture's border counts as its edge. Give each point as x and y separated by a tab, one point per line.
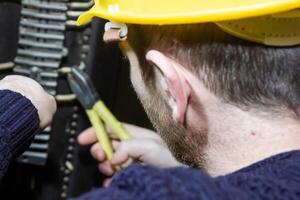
246	137
237	138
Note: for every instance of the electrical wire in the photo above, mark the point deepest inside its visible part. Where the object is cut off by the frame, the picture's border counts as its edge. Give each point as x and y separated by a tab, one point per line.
7	65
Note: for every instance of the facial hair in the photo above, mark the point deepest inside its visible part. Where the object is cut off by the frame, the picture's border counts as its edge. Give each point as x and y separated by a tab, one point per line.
185	144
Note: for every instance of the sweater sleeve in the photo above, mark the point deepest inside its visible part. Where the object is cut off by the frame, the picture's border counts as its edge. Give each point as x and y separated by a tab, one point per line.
18	122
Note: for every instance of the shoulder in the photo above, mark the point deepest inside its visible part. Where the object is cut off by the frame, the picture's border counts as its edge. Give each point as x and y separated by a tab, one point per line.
160	182
147	183
277	177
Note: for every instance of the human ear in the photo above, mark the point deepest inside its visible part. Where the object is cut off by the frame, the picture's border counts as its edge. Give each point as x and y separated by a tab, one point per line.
174	82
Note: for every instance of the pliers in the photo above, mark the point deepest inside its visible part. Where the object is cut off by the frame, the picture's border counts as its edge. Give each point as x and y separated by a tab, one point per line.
81	85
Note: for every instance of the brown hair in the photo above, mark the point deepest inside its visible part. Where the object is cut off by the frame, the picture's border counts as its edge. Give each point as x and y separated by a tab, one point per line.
238	71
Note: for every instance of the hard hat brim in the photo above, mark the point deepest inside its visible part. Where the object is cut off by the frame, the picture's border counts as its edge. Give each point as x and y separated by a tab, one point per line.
199	16
271	30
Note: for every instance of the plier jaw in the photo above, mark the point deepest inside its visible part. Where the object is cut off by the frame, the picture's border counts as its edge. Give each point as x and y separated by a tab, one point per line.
81	85
97	112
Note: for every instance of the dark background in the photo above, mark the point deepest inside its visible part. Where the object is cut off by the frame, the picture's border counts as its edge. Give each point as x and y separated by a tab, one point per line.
110	73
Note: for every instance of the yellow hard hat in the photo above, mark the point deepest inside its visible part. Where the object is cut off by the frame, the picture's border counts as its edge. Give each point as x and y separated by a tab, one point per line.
272	22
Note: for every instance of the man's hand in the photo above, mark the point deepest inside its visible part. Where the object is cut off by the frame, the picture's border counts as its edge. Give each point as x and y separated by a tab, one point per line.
144	145
42	101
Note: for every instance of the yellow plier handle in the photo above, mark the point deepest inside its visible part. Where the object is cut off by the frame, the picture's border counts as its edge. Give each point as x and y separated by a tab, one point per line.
101	134
97	112
100	111
110	120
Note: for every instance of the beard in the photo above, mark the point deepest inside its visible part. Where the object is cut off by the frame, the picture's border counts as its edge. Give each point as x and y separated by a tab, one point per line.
185	143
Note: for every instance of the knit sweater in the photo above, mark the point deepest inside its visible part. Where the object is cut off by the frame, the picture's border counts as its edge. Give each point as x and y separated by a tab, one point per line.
275	178
18	122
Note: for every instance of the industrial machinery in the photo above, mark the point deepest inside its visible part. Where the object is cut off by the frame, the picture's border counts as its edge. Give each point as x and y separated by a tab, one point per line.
39	39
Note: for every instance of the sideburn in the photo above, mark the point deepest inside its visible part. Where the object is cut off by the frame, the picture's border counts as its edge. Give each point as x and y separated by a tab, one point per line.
186	144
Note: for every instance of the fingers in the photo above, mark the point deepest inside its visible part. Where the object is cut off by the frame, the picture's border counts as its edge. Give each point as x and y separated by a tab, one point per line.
115	144
106	168
135	149
97	152
87	137
139	132
33	91
128	162
106	182
146	150
122	157
142	144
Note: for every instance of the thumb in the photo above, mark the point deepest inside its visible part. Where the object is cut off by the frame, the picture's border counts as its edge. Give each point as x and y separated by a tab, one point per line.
133	148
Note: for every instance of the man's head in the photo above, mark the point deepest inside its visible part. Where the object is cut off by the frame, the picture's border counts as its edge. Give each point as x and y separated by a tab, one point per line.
213	97
187	75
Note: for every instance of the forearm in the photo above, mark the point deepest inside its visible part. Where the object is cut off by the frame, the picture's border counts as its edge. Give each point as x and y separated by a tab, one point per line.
18	122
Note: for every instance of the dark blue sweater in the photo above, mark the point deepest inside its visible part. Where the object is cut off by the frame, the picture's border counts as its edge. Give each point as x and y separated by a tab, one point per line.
274	178
18	122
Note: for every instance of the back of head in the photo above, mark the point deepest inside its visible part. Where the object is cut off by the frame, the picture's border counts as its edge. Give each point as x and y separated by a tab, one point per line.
243	73
240	72
203	37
